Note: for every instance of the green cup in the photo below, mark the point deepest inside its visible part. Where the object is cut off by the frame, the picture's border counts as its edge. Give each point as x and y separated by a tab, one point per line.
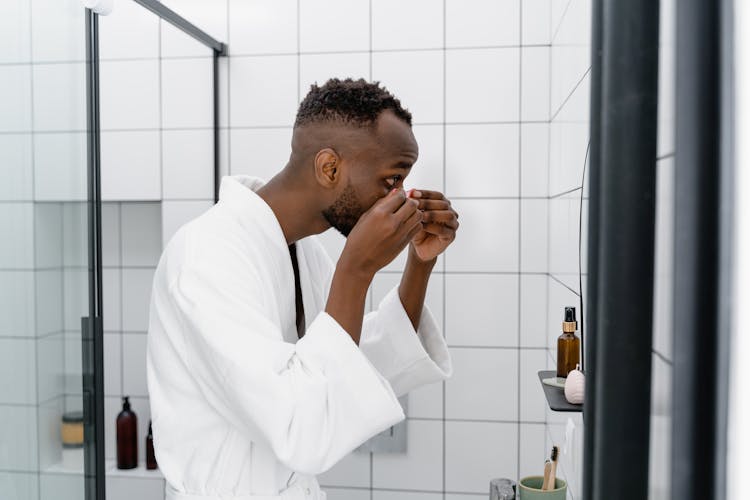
530	488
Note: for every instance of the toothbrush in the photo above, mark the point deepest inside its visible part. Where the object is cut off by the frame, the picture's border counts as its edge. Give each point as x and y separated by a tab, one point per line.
549	482
547	472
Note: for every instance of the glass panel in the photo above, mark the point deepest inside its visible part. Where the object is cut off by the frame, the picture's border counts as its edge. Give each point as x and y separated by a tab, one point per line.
44	286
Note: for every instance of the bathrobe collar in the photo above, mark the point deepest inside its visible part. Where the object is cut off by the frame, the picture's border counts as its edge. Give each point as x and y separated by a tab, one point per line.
238	193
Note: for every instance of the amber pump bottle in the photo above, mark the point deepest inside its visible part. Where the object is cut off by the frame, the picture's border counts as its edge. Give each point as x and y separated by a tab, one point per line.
568	345
127	437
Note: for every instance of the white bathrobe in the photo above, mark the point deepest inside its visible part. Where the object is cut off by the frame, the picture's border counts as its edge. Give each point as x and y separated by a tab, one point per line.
242	408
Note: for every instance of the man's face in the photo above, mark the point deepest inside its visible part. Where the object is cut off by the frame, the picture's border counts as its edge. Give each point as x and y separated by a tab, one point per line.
378	164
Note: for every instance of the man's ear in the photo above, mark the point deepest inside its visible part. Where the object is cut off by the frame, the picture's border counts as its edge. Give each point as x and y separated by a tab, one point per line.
327	167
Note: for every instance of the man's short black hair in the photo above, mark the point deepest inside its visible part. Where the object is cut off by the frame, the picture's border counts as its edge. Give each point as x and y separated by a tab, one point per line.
351	102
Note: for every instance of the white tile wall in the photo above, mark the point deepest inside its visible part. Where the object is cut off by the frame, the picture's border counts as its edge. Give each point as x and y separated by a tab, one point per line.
489	79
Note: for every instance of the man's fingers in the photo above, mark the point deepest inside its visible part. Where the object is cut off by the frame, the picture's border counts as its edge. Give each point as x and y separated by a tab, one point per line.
444	216
392	201
430	195
434	204
438	229
406	210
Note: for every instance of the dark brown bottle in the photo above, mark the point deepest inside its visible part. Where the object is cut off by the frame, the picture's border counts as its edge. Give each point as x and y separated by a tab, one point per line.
568	345
150	456
127	437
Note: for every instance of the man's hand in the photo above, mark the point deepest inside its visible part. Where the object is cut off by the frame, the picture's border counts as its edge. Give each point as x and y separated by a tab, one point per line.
439	224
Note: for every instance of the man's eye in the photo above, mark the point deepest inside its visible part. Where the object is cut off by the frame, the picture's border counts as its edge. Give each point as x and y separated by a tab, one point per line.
395	179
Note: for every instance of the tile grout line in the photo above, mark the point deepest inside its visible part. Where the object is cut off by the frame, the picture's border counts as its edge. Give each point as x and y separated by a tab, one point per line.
520	239
444	281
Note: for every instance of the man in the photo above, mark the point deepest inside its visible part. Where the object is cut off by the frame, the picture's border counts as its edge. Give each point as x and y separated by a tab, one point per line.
262	370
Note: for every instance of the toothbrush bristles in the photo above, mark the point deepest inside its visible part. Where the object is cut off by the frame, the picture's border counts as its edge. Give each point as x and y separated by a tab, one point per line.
555	451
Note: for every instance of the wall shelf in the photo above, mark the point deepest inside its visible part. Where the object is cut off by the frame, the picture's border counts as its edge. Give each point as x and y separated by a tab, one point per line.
555	395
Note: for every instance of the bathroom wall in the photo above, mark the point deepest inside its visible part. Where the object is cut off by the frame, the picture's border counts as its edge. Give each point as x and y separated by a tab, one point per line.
567	208
476	77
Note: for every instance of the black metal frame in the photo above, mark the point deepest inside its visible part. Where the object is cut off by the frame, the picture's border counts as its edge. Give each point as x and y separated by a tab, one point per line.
702	275
621	260
91	326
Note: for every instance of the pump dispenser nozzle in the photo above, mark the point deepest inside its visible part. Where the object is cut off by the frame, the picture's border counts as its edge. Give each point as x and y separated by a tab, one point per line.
570	314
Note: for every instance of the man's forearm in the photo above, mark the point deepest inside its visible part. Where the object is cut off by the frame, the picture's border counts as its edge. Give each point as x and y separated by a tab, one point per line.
413	286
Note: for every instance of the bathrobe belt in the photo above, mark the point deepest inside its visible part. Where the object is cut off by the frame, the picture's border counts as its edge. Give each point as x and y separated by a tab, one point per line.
305	488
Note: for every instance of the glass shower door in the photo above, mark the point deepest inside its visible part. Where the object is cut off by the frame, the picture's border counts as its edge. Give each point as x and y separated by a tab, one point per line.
47	254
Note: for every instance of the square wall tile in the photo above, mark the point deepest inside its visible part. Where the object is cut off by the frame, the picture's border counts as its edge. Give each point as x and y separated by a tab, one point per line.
54	21
534	159
534	235
420	467
533	310
75	234
19	433
188	157
112	406
334	25
17	303
535	84
564	223
427	172
136	295
415	78
532	449
535	19
318	68
113	364
482	85
484	385
131	167
73	368
394	22
426	401
476	452
111	313
49	301
141	234
533	401
353	471
481	309
50	442
15	31
263	90
17	221
23	484
130	32
481	23
60	167
16	166
486	152
15	100
50	367
262	26
176	213
110	234
134	364
17	373
261	152
61	486
187	93
129	94
487	239
48	235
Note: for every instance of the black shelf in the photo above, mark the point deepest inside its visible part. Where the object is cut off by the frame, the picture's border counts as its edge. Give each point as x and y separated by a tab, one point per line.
556	395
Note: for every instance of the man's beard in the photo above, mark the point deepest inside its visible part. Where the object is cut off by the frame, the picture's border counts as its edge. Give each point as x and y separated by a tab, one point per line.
344	213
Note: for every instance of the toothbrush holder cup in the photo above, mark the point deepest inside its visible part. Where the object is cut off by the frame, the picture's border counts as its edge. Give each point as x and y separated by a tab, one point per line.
530	488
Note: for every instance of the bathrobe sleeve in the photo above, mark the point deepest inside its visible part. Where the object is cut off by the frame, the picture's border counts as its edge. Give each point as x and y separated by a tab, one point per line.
313	402
406	358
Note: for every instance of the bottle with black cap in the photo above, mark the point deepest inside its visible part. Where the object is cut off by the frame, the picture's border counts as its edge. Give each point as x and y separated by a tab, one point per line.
127	437
568	345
